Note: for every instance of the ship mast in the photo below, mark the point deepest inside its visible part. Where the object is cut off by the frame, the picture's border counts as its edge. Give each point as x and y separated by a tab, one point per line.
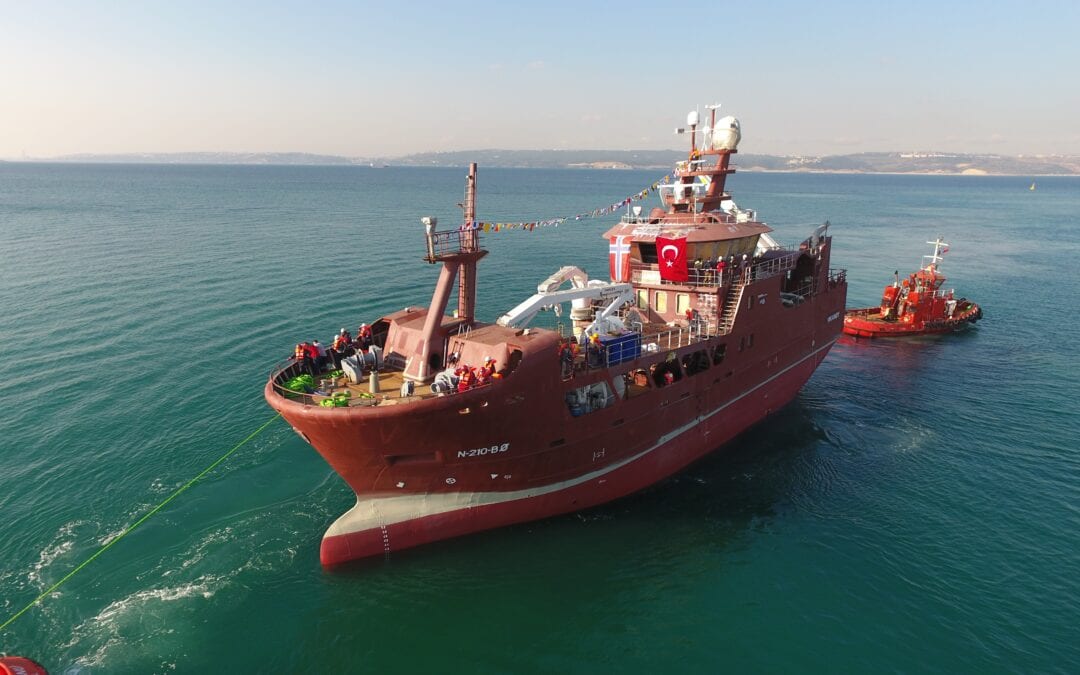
458	252
470	244
939	249
700	185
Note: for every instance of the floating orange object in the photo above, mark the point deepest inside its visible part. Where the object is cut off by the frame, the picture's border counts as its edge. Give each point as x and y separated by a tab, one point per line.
18	665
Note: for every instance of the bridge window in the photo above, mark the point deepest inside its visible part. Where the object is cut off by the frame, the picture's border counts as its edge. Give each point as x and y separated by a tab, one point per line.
718	354
637	383
682	303
697	362
643	298
648	253
591	397
665	372
661	301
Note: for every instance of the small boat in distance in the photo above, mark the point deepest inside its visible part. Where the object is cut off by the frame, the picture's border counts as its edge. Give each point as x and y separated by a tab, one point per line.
1032	188
917	306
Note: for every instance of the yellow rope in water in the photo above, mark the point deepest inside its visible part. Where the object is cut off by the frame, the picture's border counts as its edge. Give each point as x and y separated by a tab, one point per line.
140	521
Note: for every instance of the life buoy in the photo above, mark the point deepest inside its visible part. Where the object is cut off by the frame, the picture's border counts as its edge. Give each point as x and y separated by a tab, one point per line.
18	665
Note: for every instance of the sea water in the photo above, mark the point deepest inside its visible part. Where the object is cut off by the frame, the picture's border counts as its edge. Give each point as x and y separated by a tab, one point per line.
917	508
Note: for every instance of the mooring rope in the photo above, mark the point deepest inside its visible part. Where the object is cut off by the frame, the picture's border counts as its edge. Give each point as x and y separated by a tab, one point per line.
138	522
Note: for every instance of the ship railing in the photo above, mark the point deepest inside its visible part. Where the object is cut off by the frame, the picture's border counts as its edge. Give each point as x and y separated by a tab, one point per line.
646	273
673	338
797	295
282	372
943	293
666	336
837	277
772	266
453	242
702	164
706	274
680	191
590	358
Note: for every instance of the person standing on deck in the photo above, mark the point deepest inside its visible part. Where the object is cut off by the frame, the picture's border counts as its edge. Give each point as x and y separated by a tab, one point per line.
363	337
303	358
337	349
320	355
486	374
467	379
312	358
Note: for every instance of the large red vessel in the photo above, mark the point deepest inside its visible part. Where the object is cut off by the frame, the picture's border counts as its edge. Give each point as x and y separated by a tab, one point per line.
672	356
918	305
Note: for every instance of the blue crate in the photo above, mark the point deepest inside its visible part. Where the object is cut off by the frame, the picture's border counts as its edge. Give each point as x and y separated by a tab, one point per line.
620	348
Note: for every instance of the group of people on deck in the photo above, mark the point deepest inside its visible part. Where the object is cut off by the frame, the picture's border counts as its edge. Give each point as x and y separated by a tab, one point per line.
469	377
312	357
718	270
585	351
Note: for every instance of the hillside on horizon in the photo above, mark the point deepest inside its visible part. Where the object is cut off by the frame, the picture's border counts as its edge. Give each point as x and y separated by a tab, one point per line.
867	162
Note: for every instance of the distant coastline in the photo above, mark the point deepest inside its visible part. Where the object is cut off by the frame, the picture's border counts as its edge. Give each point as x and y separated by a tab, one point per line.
921	163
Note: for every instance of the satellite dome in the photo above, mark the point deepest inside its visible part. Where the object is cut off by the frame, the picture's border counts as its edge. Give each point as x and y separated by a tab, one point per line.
726	134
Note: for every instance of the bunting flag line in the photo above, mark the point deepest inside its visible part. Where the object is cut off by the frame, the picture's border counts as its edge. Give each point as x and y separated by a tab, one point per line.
487	226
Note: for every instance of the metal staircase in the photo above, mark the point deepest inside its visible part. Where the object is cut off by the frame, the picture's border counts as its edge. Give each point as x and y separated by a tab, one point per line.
731	307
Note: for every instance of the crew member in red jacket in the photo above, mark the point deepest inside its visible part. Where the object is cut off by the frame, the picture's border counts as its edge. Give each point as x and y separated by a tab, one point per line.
363	336
486	374
302	355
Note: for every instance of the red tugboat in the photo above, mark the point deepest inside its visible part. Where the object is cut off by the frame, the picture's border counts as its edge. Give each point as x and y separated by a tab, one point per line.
667	360
916	306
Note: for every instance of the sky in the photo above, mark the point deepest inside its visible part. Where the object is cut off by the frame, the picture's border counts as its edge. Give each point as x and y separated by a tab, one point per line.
385	79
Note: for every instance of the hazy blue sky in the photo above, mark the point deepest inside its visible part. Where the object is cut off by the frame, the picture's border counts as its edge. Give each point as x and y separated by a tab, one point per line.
390	78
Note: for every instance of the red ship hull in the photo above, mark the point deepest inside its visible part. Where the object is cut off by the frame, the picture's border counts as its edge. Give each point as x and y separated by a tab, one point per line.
867	322
356	534
419	477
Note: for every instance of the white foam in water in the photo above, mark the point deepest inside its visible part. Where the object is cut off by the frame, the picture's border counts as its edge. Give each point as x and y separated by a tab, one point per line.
203	586
122	625
62	543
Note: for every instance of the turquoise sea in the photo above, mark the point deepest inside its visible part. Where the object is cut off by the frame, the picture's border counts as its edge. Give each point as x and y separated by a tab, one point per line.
916	509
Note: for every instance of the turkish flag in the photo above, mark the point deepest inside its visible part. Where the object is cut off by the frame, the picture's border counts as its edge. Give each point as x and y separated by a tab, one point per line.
619	258
672	255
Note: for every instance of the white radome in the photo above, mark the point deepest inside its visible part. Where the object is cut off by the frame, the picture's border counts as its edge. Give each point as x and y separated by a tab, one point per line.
726	134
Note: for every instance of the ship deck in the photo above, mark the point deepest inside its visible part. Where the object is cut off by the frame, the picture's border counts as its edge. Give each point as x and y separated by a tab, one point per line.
655	338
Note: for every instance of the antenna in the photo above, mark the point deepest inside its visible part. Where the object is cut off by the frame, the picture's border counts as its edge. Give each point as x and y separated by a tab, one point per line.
938	252
707	132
